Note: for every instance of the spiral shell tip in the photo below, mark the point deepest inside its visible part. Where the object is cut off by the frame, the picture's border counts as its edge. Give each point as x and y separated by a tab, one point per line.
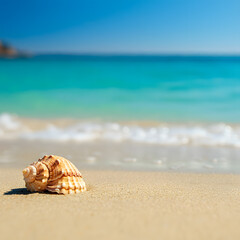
25	172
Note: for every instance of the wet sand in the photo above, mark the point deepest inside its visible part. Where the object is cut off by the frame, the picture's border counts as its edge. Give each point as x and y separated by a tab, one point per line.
124	205
106	155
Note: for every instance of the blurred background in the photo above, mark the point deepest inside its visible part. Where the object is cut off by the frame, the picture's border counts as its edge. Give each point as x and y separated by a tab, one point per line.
149	85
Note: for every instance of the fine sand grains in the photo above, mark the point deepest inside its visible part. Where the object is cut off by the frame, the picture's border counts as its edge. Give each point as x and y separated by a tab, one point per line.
124	205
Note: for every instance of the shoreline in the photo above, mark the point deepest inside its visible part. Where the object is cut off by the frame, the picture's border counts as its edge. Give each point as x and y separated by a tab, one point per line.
127	155
125	205
38	122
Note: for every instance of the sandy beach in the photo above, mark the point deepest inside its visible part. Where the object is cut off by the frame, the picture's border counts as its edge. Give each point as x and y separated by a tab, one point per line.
124	205
142	97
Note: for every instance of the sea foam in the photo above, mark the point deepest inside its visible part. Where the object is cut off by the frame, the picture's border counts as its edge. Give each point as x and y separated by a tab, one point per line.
219	134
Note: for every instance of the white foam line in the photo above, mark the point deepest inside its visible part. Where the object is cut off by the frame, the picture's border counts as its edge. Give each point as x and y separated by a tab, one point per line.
209	135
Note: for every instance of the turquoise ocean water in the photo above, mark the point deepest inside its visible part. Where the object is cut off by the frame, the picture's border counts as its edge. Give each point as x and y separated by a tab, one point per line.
131	112
170	88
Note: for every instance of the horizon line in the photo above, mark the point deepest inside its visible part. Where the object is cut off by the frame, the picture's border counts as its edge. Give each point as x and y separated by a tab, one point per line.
112	54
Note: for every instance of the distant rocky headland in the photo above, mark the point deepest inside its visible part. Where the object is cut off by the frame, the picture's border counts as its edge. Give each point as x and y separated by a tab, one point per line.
6	51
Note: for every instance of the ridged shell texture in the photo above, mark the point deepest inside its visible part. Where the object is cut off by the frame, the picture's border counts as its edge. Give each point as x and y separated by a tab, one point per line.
54	174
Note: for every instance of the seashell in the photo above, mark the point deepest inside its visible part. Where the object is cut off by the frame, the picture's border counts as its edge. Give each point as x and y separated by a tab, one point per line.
54	174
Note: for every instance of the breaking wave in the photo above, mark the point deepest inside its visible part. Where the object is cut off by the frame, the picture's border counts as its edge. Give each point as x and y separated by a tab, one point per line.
12	127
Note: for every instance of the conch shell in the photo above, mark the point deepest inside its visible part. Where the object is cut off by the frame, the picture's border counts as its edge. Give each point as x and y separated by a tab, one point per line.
54	174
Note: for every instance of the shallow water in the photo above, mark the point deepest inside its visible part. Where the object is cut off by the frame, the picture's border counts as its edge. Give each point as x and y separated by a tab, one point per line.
123	88
122	145
143	112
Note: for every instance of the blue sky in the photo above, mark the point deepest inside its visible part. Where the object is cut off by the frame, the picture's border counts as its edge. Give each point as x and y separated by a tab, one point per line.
126	26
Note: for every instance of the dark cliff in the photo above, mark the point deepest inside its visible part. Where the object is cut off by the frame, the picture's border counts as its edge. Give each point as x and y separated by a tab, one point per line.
6	51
